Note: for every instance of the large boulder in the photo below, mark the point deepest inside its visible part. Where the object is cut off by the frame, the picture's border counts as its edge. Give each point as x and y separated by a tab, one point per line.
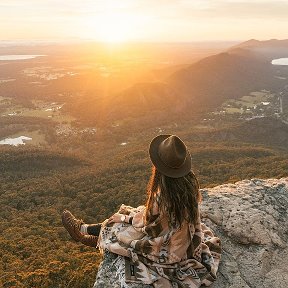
250	217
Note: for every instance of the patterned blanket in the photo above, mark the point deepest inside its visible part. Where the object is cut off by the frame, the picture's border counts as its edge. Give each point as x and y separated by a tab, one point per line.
160	255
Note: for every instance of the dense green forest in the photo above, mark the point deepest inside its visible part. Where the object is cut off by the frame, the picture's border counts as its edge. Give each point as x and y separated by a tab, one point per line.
36	184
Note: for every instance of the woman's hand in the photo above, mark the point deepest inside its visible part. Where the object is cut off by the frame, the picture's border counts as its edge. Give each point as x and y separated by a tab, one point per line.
116	218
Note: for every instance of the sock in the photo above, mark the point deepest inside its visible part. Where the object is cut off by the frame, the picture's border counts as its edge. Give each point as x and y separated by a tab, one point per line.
83	229
94	229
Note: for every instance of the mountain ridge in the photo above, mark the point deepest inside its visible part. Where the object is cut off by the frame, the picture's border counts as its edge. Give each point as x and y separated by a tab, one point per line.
255	42
201	86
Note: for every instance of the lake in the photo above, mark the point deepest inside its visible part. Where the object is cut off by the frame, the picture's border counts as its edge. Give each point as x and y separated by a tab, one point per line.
15	141
280	61
18	57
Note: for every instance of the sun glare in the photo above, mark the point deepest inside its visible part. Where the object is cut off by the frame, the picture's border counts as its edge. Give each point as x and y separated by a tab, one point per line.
111	27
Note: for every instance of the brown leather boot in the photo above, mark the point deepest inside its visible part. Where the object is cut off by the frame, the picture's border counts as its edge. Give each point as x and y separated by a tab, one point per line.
72	225
89	240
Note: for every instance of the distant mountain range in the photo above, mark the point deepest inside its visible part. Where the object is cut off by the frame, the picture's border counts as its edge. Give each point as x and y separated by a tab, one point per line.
231	74
207	83
270	48
185	90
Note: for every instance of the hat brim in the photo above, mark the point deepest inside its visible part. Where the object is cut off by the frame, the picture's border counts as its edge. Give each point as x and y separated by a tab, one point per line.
161	166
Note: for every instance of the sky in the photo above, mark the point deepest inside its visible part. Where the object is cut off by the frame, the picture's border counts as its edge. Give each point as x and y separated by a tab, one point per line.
144	20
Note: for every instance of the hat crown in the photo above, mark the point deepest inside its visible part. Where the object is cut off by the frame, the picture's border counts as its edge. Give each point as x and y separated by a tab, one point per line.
170	156
172	151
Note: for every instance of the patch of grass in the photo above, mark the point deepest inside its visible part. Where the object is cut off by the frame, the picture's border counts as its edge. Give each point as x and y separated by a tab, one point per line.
232	106
38	112
231	110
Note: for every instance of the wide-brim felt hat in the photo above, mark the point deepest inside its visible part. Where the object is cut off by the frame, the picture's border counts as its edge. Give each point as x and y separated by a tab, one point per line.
170	156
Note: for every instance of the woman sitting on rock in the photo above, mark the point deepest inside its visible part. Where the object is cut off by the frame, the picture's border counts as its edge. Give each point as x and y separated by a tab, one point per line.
164	242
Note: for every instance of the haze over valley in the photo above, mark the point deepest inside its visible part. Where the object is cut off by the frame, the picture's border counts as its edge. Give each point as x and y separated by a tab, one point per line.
101	90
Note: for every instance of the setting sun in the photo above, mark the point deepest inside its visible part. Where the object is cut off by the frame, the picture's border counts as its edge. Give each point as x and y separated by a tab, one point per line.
139	20
111	27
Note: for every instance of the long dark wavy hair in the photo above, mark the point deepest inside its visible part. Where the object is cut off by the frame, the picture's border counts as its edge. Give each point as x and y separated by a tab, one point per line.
178	197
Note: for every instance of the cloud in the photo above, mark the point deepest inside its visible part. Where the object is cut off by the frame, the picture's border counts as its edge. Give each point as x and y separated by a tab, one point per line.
183	9
160	8
252	9
186	9
164	17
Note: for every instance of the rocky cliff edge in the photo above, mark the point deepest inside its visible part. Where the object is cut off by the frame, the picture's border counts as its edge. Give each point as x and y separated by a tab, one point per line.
250	217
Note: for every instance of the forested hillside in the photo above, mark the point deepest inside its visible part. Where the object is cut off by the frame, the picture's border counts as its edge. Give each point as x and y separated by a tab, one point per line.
36	251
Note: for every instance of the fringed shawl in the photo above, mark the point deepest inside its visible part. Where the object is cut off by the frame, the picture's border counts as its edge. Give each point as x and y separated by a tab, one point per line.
161	255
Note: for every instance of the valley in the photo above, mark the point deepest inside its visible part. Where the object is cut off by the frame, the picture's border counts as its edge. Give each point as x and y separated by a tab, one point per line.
83	118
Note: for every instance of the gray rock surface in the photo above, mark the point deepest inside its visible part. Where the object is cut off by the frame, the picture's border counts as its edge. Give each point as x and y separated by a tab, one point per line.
250	217
108	275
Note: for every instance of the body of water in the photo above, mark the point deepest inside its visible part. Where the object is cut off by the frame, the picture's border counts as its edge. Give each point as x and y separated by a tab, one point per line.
280	61
15	141
18	57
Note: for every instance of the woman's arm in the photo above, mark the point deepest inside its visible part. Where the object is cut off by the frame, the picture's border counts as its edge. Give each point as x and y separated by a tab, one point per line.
118	218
